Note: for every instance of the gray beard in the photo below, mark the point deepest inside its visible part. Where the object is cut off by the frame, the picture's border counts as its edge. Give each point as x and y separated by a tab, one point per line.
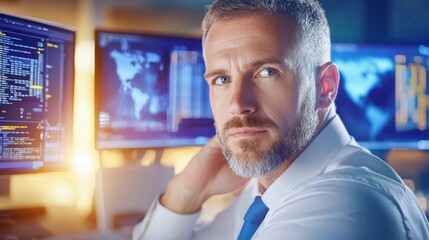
257	164
251	163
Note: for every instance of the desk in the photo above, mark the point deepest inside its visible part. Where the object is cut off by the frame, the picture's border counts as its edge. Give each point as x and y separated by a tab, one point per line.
56	223
90	235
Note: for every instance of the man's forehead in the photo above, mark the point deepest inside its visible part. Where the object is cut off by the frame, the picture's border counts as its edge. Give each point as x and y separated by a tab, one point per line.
271	26
260	32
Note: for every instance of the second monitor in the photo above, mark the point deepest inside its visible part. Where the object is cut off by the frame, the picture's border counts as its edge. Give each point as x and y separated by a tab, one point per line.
150	91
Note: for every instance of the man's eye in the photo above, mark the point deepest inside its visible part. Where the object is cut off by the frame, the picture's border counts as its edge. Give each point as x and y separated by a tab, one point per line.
267	72
221	80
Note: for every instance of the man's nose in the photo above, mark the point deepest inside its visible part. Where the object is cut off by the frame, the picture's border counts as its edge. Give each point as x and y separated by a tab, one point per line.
242	98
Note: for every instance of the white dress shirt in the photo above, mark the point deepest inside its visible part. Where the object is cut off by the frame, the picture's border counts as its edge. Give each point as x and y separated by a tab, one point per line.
334	190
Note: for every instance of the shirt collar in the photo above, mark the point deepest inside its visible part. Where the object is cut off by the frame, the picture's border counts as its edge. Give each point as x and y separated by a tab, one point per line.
311	162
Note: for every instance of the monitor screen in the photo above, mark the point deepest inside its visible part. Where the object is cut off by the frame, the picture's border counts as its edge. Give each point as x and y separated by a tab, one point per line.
383	97
36	94
150	91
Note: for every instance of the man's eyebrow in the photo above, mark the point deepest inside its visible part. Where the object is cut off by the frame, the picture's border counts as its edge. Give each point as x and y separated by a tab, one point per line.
256	64
274	61
208	75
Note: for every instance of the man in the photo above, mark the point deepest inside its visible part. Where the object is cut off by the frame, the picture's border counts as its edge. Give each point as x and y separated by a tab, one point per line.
272	91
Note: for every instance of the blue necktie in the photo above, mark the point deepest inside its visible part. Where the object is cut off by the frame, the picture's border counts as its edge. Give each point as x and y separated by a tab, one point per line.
253	218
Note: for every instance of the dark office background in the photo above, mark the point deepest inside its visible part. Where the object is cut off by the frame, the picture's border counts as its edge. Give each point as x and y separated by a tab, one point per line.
378	20
351	20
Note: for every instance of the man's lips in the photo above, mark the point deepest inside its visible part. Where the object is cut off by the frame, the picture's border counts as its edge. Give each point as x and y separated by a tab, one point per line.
245	132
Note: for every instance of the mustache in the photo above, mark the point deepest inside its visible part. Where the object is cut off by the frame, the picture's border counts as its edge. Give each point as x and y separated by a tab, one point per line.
239	122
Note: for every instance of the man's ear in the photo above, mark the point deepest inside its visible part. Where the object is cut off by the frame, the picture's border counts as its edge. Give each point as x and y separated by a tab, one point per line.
328	79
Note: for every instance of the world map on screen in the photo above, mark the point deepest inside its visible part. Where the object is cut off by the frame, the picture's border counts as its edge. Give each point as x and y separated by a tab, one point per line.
363	81
138	72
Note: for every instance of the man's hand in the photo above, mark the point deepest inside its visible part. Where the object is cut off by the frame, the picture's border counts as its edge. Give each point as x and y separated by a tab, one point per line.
207	174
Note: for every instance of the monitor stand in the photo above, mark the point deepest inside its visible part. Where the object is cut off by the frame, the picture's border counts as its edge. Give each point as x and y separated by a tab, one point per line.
124	194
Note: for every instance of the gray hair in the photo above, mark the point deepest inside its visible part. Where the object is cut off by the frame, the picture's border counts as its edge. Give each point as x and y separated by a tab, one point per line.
313	34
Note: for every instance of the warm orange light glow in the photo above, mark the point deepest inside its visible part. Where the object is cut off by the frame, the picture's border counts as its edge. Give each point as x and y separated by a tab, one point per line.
84	59
422	200
410	184
148	158
178	157
85	158
60	193
83	162
48	189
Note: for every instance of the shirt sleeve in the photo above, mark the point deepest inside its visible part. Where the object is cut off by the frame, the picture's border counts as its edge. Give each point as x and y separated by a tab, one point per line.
161	223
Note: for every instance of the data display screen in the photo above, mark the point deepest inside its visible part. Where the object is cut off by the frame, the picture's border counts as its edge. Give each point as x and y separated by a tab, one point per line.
383	97
150	91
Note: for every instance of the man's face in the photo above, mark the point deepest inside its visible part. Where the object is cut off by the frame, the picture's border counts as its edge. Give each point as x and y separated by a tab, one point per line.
263	114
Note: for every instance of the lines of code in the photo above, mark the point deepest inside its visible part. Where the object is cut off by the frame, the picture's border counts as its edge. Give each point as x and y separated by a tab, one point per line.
22	96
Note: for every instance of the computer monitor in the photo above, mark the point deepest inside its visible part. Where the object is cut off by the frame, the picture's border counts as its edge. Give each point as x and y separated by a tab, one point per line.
383	98
36	95
150	91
